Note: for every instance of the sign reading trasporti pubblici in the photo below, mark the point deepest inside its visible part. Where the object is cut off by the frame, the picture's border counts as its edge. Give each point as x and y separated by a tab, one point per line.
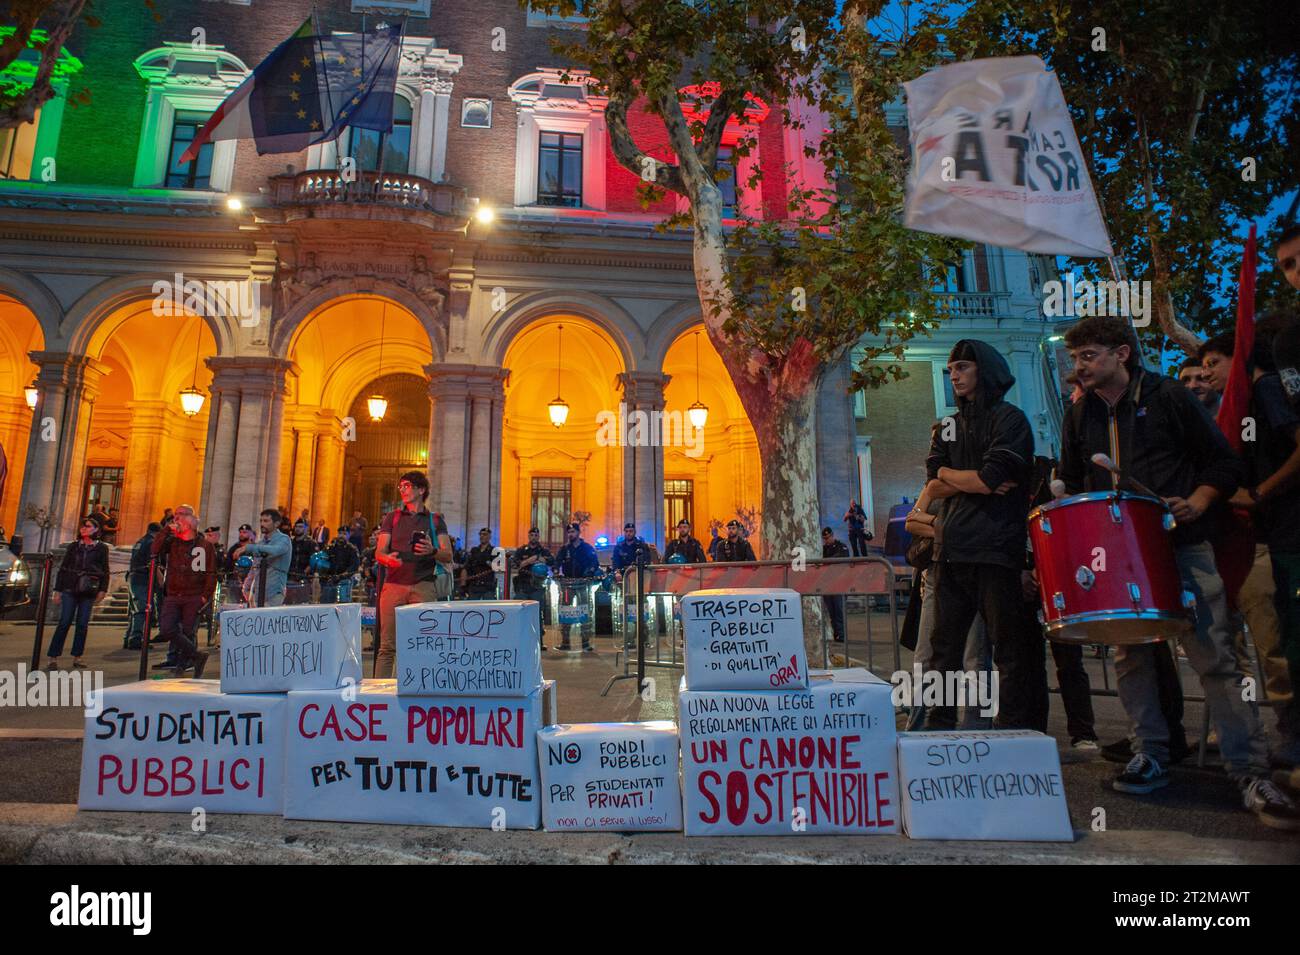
468	648
744	639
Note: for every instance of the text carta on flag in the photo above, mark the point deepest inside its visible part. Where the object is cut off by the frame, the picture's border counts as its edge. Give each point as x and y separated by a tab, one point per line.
995	159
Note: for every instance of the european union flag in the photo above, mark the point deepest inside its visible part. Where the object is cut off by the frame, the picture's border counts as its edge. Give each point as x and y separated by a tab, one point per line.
309	89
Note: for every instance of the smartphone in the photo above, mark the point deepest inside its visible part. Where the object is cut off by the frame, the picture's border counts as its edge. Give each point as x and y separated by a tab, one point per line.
417	537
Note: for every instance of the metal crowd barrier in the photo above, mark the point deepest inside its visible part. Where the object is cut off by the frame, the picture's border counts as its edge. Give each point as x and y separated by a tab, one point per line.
870	577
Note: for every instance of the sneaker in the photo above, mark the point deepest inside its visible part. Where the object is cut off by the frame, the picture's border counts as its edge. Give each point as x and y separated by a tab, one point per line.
1142	775
588	649
1084	745
200	661
562	648
77	664
1121	751
1273	806
52	665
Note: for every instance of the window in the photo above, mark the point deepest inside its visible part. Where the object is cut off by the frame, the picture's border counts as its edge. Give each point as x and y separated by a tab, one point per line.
540	19
415	8
560	141
552	505
679	503
103	486
559	170
363	144
945	400
727	169
476	113
195	174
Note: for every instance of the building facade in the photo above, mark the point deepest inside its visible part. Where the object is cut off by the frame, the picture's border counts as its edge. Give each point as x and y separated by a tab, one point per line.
357	273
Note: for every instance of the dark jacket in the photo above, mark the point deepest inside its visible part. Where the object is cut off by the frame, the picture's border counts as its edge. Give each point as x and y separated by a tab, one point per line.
182	579
626	551
525	579
834	549
578	560
729	551
993	437
344	560
140	554
79	560
1157	433
691	550
479	576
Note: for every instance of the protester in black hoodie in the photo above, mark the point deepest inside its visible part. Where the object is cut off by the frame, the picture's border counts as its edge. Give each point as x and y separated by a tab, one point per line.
979	465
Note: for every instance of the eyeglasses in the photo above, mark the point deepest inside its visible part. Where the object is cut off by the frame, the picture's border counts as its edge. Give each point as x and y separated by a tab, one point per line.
404	485
1089	355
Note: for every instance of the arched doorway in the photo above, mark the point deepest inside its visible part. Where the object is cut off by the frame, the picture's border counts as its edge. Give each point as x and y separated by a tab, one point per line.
20	333
719	478
383	450
340	352
548	473
143	451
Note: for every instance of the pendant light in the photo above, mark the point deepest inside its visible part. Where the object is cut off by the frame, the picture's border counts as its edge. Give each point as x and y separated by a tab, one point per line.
377	404
191	397
558	410
698	412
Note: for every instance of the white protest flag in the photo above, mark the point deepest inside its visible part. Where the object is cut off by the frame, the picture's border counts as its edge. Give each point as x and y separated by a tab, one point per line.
995	159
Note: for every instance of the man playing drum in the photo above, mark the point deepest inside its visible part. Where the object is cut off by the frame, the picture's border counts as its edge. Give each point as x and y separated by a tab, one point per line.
1156	432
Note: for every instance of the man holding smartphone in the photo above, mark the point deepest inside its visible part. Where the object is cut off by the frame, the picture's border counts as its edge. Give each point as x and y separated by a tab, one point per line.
406	549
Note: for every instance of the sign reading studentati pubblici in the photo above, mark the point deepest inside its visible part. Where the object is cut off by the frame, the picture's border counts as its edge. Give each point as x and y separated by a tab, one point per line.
610	776
469	648
790	762
744	639
174	745
992	784
299	647
370	755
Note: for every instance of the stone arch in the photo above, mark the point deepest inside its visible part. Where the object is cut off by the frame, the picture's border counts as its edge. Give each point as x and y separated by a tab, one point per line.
36	296
287	326
88	314
667	328
614	320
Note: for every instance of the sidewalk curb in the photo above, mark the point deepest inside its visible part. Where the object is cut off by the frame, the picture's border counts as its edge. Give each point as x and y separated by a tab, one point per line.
60	834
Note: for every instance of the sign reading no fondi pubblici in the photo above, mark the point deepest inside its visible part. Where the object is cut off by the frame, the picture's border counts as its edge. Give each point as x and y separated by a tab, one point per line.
298	647
791	762
178	745
744	639
610	776
370	755
469	648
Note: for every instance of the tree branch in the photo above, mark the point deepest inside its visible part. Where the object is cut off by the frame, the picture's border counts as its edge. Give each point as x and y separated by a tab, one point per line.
629	155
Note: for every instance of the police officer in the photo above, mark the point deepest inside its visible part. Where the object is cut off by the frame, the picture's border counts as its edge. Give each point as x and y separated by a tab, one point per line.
834	604
344	561
734	547
576	559
480	579
628	550
684	544
528	583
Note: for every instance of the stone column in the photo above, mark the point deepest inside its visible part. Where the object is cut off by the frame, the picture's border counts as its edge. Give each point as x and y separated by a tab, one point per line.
144	451
271	491
487	412
53	475
442	101
219	461
465	445
643	466
423	134
327	479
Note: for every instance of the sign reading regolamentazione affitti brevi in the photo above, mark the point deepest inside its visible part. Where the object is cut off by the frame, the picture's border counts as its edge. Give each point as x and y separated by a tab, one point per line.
469	648
298	647
744	639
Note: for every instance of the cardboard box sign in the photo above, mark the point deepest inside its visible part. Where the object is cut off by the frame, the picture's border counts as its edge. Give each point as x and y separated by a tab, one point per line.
469	648
302	647
174	745
790	762
430	761
610	776
744	639
994	784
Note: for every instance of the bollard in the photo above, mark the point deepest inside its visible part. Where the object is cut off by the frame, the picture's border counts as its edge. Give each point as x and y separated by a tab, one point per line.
148	621
42	604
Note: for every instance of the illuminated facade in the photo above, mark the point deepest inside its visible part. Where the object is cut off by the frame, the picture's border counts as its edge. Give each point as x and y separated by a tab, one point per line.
126	279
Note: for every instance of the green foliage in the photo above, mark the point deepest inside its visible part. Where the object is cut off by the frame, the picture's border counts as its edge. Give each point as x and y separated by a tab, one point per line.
1183	92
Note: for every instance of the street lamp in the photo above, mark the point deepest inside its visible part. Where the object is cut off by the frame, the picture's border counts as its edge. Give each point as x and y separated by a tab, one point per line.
558	410
377	404
191	397
31	393
698	412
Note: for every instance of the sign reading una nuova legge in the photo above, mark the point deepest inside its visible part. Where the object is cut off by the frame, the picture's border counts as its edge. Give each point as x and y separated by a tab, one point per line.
744	639
301	647
468	648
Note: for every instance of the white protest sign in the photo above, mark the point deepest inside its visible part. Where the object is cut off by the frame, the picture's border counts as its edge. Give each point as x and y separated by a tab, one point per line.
995	159
469	648
178	745
374	756
610	776
299	647
994	784
744	639
788	762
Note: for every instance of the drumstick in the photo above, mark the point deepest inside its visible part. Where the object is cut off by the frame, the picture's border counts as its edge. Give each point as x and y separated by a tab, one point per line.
1104	461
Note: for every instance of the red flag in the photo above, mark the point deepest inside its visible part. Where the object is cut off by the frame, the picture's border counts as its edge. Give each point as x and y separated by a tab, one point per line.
1236	396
